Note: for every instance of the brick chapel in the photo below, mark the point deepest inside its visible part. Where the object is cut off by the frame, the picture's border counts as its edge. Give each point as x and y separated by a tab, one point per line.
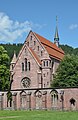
32	73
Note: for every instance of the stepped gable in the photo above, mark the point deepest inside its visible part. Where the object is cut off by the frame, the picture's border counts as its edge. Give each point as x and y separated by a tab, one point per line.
51	48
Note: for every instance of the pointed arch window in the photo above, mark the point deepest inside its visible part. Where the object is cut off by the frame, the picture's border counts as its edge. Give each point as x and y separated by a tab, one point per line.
29	66
41	53
12	67
44	63
25	64
72	101
54	95
31	37
34	42
47	63
52	64
22	66
38	48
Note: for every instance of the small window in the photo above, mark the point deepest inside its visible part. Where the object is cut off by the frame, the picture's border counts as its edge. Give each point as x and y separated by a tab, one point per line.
12	67
38	48
41	53
22	66
47	63
52	64
34	42
29	66
28	43
25	64
44	75
31	37
25	50
44	63
72	101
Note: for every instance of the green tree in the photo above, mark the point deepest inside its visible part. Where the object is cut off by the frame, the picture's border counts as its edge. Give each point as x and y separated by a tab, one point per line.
67	72
4	69
68	49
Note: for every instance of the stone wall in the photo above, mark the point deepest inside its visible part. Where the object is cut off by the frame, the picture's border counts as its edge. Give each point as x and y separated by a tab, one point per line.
46	98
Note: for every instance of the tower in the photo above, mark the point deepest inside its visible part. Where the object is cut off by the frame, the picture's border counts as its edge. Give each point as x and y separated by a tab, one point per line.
56	37
13	62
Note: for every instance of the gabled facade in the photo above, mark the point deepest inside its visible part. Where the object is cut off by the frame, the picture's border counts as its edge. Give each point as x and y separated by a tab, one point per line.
36	63
31	75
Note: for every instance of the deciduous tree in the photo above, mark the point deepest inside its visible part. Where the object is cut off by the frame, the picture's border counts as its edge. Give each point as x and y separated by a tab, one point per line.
67	72
4	69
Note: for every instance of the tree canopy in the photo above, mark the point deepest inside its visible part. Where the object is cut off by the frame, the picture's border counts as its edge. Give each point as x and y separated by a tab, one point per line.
67	72
4	69
10	48
16	47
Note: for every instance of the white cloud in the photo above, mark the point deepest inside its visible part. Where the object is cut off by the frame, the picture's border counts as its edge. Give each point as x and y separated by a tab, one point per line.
73	26
10	30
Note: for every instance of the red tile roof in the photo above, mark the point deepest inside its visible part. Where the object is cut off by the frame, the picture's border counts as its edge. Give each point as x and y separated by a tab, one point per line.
35	56
51	48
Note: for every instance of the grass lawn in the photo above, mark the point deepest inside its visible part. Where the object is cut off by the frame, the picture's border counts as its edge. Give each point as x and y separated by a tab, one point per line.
38	115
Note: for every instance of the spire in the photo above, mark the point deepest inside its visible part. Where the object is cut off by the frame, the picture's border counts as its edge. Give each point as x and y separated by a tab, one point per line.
14	58
56	37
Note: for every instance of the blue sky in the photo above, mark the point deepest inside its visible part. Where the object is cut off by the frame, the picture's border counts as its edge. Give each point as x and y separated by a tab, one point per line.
18	17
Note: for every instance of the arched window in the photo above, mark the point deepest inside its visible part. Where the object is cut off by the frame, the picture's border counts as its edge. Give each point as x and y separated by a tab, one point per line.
29	66
38	48
38	96
34	42
72	104
47	63
23	100
22	66
12	67
41	53
25	64
44	63
52	64
72	101
31	37
54	96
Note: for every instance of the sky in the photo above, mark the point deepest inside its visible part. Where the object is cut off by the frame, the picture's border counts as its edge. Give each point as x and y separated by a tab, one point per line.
18	17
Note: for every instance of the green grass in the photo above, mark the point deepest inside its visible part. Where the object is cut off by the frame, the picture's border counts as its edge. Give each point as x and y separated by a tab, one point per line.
38	115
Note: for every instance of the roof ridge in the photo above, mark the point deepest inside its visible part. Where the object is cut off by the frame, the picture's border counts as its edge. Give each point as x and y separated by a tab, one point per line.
50	44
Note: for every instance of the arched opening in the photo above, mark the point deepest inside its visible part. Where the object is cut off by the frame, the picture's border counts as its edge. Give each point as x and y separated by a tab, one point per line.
23	100
9	99
72	104
38	96
54	99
